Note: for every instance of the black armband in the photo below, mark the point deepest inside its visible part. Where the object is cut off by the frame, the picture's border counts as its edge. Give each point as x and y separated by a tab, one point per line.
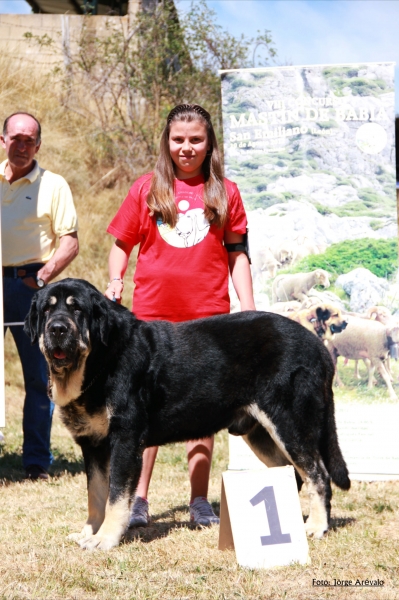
240	247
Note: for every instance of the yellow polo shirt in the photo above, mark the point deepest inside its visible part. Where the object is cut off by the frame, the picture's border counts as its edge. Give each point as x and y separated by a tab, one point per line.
35	211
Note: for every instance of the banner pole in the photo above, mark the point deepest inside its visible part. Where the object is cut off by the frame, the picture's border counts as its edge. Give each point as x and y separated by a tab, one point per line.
2	381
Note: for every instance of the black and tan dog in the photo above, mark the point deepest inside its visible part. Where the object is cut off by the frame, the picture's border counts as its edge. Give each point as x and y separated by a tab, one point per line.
124	384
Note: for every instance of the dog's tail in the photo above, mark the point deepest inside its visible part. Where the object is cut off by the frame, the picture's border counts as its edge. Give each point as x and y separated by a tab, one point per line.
330	450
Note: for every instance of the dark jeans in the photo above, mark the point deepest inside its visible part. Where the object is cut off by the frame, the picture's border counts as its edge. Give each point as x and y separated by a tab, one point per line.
38	409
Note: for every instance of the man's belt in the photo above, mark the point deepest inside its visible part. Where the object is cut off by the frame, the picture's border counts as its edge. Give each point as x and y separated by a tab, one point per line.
22	270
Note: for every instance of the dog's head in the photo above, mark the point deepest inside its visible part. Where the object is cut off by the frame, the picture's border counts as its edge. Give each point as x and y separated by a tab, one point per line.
325	320
67	318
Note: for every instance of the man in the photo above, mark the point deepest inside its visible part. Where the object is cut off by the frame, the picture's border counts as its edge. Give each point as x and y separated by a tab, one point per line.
36	209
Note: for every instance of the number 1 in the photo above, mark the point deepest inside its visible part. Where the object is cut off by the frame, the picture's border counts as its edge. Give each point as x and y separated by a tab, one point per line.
276	537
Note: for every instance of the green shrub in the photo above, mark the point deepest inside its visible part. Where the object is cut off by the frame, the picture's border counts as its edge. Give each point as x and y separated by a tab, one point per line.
262	200
312	153
343	181
369	196
376	224
327	124
246	104
250	164
237	83
262	75
288	195
340	71
313	164
376	207
323	210
379	256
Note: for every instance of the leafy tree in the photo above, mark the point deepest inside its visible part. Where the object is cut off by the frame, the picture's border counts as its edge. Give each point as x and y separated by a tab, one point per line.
126	81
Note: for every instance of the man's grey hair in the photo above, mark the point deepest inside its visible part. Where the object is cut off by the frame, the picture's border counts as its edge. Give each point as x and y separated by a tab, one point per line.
39	128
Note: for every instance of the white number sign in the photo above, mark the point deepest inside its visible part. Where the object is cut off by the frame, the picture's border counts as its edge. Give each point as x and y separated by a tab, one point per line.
261	517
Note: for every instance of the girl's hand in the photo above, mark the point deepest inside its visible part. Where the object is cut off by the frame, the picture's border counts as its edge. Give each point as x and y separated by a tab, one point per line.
117	263
114	290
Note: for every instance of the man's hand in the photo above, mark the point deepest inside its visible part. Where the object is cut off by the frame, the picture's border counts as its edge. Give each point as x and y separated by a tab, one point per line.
30	282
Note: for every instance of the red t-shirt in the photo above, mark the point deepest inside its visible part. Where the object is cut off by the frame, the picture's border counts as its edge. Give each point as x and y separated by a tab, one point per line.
181	272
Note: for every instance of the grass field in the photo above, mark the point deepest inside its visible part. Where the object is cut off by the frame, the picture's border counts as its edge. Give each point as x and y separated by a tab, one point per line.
170	559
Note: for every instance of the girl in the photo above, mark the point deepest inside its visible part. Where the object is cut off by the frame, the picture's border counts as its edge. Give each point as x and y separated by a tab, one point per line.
185	216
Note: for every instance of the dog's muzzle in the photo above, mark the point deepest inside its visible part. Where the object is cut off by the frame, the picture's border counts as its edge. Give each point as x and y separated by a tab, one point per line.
59	341
338	328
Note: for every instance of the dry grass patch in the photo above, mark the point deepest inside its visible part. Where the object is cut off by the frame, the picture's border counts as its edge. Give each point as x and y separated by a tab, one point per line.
169	559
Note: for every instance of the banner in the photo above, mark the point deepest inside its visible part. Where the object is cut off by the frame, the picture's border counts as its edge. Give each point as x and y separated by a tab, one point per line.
312	150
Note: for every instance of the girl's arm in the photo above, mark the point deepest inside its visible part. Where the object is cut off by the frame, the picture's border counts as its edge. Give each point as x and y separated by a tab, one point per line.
240	272
117	265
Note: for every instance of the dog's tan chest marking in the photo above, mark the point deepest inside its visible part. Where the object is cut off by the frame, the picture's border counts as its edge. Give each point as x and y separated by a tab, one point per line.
80	423
64	390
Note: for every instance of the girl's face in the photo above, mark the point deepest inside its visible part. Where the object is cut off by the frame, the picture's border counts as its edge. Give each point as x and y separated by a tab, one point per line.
188	145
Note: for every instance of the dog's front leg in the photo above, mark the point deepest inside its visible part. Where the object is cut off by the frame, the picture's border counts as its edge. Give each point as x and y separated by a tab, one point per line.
97	471
124	474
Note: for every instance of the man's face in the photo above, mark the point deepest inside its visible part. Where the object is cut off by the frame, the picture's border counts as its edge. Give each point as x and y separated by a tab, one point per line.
20	142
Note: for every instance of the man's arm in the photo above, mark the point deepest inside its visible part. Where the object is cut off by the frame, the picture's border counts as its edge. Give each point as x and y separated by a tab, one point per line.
67	250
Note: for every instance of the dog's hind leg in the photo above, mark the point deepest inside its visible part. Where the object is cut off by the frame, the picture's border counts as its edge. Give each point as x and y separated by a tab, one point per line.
242	424
262	445
309	465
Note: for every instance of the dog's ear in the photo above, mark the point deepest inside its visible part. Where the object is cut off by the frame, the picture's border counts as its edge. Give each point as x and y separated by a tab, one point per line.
101	314
31	325
323	314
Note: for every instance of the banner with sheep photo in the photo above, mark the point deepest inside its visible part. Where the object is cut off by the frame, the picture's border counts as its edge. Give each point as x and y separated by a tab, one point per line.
312	150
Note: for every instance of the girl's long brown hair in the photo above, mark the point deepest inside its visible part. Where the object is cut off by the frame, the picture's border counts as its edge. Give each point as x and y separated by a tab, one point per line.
160	198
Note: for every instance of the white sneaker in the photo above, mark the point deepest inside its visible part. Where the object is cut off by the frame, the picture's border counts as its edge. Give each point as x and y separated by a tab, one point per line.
139	516
201	512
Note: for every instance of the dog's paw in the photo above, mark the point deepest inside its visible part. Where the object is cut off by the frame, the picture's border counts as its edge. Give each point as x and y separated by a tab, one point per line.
75	537
98	542
315	530
86	532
